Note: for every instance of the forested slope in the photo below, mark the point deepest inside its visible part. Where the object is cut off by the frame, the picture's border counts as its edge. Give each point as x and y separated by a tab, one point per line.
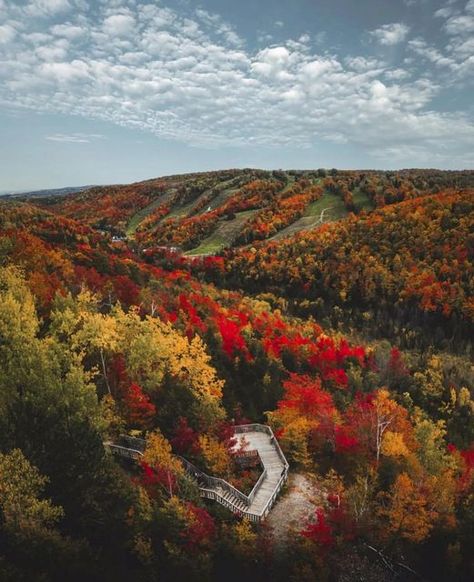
407	265
206	212
98	338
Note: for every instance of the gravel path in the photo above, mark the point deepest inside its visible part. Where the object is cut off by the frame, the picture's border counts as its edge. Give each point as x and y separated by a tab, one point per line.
293	509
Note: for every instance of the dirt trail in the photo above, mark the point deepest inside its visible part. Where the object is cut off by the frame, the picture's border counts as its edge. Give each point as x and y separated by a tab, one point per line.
293	509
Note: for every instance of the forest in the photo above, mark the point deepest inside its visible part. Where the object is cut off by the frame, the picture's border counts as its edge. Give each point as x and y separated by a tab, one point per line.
334	306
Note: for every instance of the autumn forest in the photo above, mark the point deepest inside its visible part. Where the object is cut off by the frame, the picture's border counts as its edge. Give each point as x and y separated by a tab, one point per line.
335	307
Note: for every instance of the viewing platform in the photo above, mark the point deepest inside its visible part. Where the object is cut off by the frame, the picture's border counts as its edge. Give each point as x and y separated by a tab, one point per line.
256	505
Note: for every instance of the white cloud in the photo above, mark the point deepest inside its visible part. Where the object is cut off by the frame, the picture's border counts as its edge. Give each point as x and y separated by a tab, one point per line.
146	67
7	33
391	34
462	24
218	26
74	137
271	62
362	64
119	25
458	22
51	53
66	72
411	3
68	31
458	53
464	48
47	7
444	12
422	49
397	74
319	67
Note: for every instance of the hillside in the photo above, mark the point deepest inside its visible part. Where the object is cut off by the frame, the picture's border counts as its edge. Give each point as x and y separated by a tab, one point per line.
103	338
204	213
402	269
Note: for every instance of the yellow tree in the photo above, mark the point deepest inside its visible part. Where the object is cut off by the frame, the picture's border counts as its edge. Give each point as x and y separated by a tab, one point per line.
243	541
22	510
376	415
215	455
406	510
38	370
153	348
386	412
393	445
79	323
158	453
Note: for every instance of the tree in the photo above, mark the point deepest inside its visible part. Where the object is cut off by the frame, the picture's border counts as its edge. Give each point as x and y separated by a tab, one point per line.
304	408
31	540
371	416
79	323
159	464
139	410
185	439
153	348
21	486
406	510
320	531
432	451
214	454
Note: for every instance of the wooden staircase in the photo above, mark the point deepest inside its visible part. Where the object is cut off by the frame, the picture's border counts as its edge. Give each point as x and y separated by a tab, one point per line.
260	500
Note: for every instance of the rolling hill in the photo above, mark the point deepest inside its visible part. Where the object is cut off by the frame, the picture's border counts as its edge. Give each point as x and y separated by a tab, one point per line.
362	322
204	213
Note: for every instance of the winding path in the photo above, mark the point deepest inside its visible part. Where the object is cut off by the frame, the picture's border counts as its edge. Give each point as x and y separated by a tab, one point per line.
255	506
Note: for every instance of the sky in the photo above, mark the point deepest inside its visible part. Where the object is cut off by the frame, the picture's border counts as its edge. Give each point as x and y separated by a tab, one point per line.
116	91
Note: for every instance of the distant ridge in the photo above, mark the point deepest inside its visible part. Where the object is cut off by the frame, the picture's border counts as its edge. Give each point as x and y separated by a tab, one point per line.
46	193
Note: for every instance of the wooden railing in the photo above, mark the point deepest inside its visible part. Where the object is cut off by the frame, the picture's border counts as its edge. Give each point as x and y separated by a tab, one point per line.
134	442
126	452
215	487
252	454
256	487
243	428
214	482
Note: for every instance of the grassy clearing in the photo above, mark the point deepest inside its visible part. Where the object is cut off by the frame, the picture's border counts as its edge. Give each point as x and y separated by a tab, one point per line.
219	199
327	200
177	211
361	200
223	236
183	211
334	210
141	215
186	210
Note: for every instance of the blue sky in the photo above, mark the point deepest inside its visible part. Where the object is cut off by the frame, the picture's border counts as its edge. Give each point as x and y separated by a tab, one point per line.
122	90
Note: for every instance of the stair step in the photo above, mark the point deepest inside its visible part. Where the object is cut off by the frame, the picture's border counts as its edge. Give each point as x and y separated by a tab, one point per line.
273	464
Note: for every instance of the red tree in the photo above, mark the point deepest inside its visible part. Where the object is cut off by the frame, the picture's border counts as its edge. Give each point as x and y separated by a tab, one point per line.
185	438
320	531
140	410
305	394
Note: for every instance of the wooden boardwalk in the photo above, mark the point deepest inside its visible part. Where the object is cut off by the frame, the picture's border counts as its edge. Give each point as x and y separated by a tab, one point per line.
275	468
259	502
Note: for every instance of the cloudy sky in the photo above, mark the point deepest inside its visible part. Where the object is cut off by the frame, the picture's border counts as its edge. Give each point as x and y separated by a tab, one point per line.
119	90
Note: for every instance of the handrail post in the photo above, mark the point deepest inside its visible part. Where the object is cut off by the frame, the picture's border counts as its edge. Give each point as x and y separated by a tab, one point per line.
213	485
